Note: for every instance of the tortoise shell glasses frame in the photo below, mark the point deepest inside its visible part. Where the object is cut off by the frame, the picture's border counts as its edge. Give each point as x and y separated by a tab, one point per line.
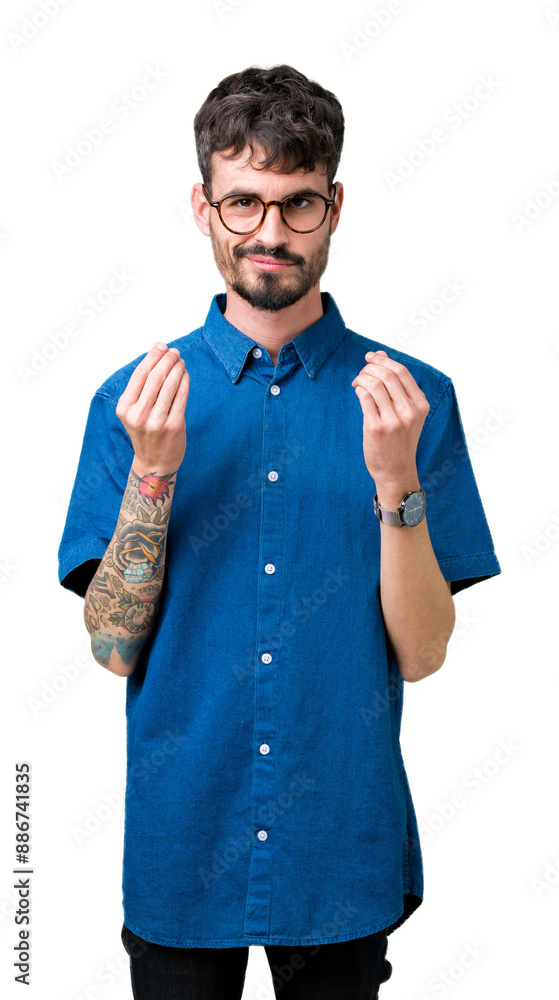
265	207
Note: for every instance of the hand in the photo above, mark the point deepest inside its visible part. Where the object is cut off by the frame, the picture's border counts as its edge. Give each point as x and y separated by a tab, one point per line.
394	411
152	410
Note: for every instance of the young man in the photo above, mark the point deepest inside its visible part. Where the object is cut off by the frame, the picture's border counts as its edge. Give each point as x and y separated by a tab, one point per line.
269	586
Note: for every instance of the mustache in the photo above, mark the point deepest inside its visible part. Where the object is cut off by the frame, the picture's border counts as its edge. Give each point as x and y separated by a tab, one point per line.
276	254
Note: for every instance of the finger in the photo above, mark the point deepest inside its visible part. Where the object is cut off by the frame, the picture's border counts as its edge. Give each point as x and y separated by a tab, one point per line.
406	378
155	380
179	402
138	377
164	399
374	375
389	375
368	405
379	393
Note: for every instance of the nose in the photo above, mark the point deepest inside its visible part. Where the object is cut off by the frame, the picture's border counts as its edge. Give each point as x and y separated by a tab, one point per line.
272	231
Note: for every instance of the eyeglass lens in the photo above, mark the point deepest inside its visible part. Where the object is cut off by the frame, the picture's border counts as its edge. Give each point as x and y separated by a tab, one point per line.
244	213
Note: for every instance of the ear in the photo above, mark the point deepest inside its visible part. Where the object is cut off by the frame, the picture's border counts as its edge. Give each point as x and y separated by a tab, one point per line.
200	209
336	207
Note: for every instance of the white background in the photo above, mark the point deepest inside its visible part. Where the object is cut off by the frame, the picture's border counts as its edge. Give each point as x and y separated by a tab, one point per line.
463	214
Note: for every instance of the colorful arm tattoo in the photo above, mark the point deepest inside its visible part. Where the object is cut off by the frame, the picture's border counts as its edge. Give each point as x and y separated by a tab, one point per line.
122	599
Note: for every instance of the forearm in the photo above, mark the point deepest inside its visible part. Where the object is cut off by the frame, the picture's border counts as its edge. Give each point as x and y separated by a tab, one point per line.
122	600
417	607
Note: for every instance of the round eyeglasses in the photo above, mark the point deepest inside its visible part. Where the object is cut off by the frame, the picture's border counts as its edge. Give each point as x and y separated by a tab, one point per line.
243	214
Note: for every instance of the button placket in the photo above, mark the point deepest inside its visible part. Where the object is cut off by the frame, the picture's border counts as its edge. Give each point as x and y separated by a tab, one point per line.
265	785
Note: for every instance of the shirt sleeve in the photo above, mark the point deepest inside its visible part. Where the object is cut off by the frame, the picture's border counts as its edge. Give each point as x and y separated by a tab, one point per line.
457	524
96	498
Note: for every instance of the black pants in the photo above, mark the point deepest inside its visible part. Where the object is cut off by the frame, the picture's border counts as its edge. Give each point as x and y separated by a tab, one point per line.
344	970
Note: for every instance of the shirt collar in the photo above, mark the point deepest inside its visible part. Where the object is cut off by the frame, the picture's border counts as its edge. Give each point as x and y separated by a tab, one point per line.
313	345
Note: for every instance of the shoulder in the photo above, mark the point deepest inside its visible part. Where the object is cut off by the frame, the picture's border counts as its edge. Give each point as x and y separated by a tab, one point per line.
114	385
432	381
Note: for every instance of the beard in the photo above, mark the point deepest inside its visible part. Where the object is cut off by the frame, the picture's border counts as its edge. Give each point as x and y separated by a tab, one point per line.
270	290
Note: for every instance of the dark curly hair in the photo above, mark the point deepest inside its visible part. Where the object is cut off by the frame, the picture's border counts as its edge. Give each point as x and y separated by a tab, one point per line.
297	122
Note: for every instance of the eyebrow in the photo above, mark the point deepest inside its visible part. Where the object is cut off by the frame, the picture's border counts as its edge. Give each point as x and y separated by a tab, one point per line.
255	194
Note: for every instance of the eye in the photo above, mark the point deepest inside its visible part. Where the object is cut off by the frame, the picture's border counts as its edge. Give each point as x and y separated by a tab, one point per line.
237	202
296	200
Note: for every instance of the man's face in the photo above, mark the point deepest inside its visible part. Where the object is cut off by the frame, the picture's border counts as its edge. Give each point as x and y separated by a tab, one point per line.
302	257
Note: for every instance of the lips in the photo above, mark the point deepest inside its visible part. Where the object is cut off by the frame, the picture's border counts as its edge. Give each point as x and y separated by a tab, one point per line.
265	264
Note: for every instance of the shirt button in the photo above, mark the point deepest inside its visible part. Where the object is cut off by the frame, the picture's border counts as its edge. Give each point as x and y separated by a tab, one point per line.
272	476
257	353
264	748
262	835
270	568
275	389
266	657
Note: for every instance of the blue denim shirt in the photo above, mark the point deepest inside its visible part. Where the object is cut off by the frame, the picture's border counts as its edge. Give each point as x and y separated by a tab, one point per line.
267	800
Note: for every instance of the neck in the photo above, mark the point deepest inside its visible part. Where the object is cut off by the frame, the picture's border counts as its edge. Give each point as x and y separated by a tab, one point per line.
273	329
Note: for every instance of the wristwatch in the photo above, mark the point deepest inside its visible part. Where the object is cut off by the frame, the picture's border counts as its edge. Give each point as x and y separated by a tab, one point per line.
411	509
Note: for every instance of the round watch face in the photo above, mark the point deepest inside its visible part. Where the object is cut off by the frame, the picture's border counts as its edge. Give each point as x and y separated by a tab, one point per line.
415	508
